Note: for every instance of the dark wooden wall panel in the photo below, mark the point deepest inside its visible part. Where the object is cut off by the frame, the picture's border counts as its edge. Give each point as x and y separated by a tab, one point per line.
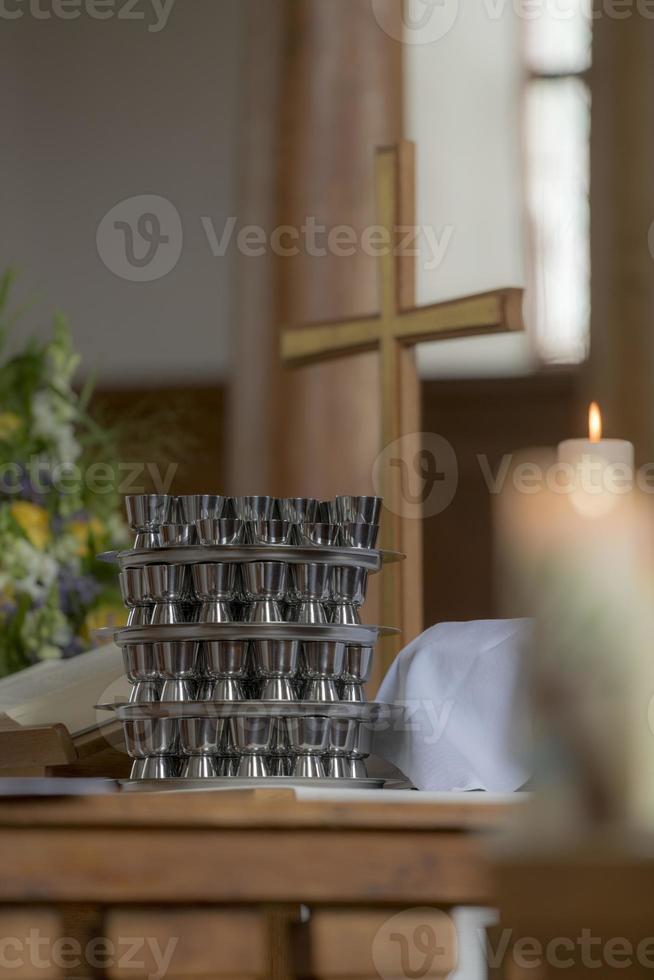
491	417
184	426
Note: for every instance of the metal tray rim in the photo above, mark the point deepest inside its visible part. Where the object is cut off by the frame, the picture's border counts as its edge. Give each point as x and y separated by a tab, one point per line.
355	634
368	558
368	711
176	784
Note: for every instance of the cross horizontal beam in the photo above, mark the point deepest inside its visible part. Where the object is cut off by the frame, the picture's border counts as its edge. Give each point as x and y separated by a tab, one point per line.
492	312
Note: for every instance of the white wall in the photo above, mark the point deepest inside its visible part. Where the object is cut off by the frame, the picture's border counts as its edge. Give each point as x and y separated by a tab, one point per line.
93	112
463	107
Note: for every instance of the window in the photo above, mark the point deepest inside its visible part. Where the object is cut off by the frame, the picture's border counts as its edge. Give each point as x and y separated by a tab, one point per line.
557	136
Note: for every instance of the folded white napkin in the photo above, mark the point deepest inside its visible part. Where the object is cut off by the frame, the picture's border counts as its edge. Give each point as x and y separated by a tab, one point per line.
467	723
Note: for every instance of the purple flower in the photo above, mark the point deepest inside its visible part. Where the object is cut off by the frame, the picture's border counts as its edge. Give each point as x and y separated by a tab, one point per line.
74	648
76	592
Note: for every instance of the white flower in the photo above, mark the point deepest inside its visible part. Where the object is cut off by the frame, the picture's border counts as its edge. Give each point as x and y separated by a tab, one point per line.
27	569
65	550
51	421
45	631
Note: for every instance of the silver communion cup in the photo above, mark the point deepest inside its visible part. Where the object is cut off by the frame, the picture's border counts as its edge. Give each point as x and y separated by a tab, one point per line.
299	510
328	512
224	689
167	613
265	579
264	611
179	689
280	766
252	738
144	692
276	663
221	531
311	580
214	611
138	765
264	531
201	736
308	612
350	585
318	534
166	583
176	658
256	508
358	510
227	766
195	507
309	737
148	511
140	616
214	580
199	767
147	539
226	658
139	662
145	737
226	664
342	743
356	671
281	741
360	751
359	535
322	665
346	614
177	535
133	587
156	767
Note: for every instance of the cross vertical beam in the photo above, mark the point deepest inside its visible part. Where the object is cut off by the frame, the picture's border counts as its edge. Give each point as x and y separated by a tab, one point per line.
394	332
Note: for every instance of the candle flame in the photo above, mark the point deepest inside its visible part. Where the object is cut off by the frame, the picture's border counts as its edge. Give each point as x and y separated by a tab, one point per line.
594	422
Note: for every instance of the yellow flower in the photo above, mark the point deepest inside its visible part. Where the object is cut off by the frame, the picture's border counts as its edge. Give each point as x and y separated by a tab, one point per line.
9	423
81	530
106	614
33	520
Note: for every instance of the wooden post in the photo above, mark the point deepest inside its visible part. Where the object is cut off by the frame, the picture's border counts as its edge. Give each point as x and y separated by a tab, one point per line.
323	89
622	210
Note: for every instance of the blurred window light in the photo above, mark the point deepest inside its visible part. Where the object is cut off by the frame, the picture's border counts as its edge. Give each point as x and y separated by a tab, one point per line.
558	37
557	137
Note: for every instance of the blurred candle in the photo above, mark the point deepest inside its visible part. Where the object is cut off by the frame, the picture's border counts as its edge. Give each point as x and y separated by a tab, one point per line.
586	574
599	470
608	451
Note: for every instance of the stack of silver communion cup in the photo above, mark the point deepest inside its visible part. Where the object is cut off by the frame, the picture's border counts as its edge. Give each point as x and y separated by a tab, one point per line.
244	645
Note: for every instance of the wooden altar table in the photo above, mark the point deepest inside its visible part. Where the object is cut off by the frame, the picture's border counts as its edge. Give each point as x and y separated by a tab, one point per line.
251	884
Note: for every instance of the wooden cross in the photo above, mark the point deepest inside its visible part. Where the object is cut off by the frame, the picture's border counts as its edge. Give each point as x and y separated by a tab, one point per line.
395	331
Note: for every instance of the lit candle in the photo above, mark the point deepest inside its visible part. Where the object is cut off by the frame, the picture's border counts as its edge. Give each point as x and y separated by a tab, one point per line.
608	451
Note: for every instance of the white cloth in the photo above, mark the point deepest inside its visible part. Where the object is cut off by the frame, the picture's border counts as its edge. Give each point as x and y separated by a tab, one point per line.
466	724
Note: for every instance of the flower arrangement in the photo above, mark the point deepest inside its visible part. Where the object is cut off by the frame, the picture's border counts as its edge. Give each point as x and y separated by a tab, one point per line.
54	518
